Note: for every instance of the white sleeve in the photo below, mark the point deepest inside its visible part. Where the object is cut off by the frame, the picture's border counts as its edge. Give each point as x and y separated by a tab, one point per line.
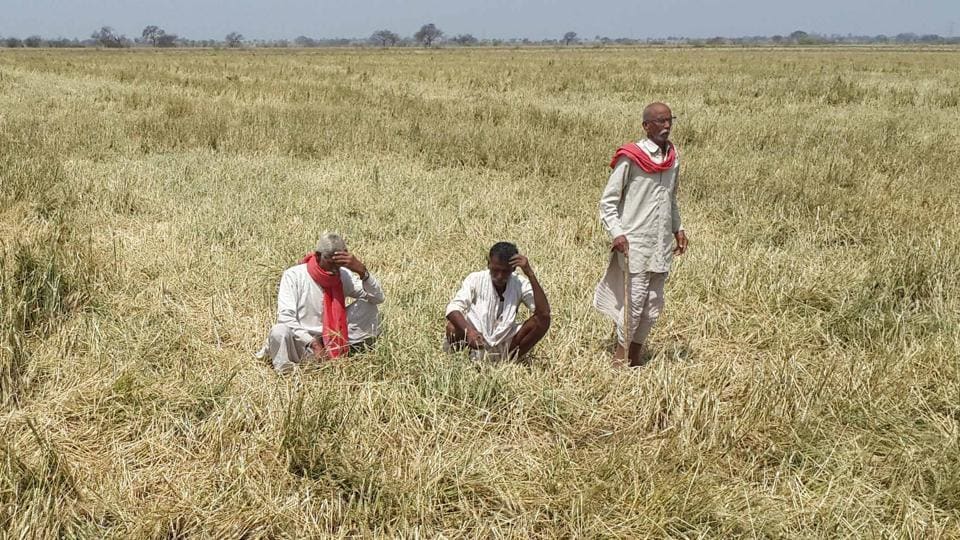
610	199
287	309
674	204
526	294
368	289
463	299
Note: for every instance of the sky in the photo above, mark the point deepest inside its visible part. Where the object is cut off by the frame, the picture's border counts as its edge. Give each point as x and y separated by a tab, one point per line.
534	19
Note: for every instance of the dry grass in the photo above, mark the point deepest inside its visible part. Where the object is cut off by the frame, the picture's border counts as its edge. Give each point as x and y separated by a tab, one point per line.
805	382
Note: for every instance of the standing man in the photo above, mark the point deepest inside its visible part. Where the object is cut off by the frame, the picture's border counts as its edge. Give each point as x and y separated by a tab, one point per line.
482	314
639	211
313	320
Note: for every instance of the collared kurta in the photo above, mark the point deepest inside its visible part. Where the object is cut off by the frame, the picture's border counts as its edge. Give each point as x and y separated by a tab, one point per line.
643	207
494	318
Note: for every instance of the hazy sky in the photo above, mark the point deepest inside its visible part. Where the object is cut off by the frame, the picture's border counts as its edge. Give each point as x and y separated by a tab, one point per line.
536	19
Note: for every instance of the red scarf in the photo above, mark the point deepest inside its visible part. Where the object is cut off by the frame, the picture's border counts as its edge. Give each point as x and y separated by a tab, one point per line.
334	307
643	160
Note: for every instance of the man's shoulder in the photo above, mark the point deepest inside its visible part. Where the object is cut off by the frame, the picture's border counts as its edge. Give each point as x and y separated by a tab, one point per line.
296	270
476	277
523	283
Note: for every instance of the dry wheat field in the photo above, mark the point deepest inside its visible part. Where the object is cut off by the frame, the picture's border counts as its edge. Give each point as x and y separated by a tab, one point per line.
804	382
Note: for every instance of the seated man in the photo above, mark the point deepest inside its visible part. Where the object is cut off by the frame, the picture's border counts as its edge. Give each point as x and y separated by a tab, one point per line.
482	315
313	319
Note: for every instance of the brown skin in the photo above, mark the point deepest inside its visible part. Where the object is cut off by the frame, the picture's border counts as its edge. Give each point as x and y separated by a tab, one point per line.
657	124
331	265
459	330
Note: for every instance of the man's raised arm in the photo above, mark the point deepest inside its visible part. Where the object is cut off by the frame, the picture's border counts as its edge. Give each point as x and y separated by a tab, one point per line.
370	291
541	307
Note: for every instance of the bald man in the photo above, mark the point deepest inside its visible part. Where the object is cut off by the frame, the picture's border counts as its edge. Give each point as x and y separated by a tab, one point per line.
639	211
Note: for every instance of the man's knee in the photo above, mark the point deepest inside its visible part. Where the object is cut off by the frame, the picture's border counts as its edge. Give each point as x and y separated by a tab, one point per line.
453	333
542	322
535	327
280	332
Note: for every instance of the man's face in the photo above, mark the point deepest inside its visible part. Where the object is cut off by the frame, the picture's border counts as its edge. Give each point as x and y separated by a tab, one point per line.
326	262
499	272
659	125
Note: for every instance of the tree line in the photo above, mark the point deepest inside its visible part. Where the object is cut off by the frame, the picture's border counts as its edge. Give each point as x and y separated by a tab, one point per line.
429	35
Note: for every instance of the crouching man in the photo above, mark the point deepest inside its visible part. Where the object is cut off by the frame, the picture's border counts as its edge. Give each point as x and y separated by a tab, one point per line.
313	320
482	315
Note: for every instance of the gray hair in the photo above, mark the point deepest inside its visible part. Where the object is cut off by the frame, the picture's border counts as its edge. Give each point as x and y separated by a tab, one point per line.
329	243
648	110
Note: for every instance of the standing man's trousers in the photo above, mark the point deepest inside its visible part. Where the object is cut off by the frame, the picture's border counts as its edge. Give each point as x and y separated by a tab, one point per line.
646	301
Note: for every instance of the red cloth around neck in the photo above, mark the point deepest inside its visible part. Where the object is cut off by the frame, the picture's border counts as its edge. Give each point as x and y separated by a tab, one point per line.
335	337
643	160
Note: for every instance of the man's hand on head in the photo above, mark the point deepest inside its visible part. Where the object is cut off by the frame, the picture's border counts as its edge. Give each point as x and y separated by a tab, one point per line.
521	262
681	238
620	244
348	261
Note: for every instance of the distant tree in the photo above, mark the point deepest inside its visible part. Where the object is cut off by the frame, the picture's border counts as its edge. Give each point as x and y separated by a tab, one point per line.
384	38
465	39
152	35
304	41
106	37
569	38
166	40
428	34
62	42
798	35
907	37
777	39
33	42
234	39
13	42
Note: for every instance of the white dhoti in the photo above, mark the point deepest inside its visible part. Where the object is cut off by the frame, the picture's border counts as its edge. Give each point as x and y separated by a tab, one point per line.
646	300
286	348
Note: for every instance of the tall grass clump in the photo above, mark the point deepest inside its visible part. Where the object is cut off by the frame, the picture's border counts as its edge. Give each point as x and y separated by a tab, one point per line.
46	267
38	488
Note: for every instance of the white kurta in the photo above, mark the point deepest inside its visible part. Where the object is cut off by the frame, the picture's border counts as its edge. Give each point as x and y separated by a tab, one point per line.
483	308
643	207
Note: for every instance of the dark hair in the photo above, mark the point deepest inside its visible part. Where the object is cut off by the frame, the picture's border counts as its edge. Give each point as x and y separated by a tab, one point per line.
503	251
